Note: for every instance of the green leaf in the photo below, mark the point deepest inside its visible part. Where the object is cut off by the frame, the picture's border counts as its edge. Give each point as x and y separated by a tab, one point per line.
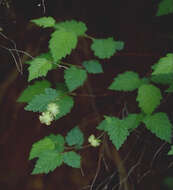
58	141
39	102
160	125
38	67
171	151
93	66
65	104
165	7
72	159
74	77
79	28
61	43
41	146
37	88
149	97
75	137
47	162
44	22
105	48
127	81
117	131
170	89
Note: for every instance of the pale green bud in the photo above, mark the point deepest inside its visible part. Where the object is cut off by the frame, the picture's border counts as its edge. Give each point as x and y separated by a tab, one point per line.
53	108
46	118
94	141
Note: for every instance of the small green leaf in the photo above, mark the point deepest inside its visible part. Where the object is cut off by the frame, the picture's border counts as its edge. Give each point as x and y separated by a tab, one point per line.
58	141
79	28
44	22
75	137
41	146
39	102
61	44
127	81
72	159
165	7
93	66
38	67
149	97
171	151
47	162
37	88
160	125
74	77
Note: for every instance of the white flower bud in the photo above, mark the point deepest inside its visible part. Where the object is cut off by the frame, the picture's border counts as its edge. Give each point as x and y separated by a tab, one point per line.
46	118
94	141
53	108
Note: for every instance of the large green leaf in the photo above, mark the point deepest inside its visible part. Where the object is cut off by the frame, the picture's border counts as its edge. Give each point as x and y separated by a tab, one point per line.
44	22
61	43
149	97
72	159
165	7
74	77
160	125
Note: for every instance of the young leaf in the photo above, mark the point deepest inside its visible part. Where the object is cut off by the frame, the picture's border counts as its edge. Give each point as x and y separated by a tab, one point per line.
79	28
75	137
165	7
149	97
39	102
72	159
105	48
61	43
37	88
58	141
65	104
38	68
44	22
160	125
93	66
41	146
171	151
47	162
127	81
74	77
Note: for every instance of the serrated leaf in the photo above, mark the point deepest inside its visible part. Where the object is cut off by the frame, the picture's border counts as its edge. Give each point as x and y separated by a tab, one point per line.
105	48
127	81
75	137
39	102
117	131
165	7
44	22
61	44
72	159
160	125
58	141
74	77
38	67
41	146
79	28
149	97
37	88
47	162
65	104
171	151
93	66
162	78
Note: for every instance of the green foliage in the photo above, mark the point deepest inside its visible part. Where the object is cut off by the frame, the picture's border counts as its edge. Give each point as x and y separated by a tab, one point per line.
127	81
79	28
160	125
37	88
72	159
41	146
38	68
39	102
58	141
170	89
47	162
61	43
44	22
74	77
105	48
75	137
149	97
171	151
93	66
165	7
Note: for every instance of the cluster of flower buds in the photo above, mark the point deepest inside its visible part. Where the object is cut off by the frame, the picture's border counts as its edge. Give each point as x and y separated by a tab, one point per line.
49	115
94	141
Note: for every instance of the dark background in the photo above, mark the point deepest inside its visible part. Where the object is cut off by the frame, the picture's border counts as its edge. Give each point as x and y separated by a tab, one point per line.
146	40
